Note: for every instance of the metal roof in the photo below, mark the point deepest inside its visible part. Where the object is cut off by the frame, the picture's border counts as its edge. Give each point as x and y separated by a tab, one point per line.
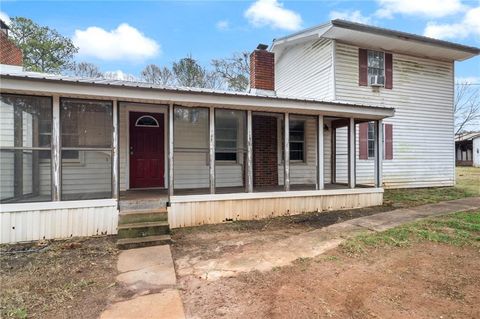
35	76
394	40
467	136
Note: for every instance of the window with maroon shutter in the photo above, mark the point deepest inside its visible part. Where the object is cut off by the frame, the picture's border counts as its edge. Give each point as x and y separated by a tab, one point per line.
388	128
366	140
363	140
388	71
362	67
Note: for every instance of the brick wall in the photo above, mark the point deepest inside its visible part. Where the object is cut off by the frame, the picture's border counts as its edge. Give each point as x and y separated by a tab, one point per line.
265	160
9	53
262	70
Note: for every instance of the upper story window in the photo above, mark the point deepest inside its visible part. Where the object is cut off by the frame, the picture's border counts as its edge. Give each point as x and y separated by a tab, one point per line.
376	68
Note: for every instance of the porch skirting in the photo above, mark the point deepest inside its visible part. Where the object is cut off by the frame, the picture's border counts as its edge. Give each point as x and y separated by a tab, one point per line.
57	220
185	211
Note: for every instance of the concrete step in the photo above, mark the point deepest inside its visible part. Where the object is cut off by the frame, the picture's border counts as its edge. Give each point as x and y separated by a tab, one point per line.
140	204
129	243
144	215
143	229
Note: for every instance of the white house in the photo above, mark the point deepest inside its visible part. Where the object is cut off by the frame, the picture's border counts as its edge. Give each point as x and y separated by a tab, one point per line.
85	156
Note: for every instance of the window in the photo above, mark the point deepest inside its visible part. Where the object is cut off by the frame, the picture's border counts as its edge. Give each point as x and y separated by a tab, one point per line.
25	148
86	128
371	139
297	140
226	132
376	67
146	121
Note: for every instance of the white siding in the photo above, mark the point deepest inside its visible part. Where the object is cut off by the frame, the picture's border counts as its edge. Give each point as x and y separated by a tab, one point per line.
6	158
422	95
92	173
37	224
305	70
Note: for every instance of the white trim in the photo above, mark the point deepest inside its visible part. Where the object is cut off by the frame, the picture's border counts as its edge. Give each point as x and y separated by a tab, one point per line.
147	108
320	154
20	207
279	104
146	116
334	69
281	194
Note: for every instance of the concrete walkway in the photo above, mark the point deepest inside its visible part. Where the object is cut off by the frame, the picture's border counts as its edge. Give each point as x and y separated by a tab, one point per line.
313	243
150	275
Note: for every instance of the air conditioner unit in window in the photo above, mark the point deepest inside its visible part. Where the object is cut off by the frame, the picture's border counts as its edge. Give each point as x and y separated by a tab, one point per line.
377	80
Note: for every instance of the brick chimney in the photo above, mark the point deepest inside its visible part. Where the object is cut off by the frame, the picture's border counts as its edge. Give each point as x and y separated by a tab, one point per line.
262	70
10	54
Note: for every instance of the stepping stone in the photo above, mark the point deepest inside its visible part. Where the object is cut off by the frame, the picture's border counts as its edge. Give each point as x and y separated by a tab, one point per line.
146	268
165	305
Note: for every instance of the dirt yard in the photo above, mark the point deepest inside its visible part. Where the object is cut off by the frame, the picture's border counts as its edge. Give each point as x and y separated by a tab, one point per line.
62	279
428	280
428	269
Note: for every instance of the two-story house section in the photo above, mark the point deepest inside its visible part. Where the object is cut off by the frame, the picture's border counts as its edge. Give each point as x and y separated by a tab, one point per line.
351	62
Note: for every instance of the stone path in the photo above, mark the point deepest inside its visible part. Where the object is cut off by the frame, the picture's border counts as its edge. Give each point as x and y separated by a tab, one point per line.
313	243
148	273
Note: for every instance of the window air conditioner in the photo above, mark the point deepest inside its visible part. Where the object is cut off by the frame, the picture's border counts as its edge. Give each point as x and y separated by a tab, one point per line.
377	80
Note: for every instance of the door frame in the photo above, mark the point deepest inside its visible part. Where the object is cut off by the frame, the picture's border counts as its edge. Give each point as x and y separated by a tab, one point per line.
147	108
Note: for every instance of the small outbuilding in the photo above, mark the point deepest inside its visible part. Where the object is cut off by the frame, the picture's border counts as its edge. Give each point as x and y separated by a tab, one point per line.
467	149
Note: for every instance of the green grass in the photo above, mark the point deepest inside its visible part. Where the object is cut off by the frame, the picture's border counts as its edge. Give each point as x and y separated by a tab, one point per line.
459	229
467	185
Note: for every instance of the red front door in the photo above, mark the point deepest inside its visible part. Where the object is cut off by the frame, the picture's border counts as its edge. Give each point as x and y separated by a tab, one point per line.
146	150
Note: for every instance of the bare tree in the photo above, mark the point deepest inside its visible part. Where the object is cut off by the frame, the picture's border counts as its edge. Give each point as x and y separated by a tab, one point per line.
189	73
120	75
235	70
466	106
154	74
86	69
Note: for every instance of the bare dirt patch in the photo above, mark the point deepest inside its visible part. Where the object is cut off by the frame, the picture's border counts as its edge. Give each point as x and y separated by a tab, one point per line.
212	241
426	280
61	279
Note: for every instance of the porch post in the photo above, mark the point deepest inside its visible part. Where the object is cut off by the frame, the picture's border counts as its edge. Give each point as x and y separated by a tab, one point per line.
56	153
18	155
212	150
286	152
351	153
320	155
378	152
115	153
249	153
333	156
170	149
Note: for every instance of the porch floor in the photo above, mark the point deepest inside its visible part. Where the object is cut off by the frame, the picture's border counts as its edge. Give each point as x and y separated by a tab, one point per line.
139	194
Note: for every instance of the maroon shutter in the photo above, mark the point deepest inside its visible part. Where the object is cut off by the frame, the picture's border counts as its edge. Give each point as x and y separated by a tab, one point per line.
362	67
388	71
363	140
388	141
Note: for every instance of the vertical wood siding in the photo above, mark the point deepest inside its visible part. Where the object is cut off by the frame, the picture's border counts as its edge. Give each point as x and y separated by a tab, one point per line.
57	223
193	213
